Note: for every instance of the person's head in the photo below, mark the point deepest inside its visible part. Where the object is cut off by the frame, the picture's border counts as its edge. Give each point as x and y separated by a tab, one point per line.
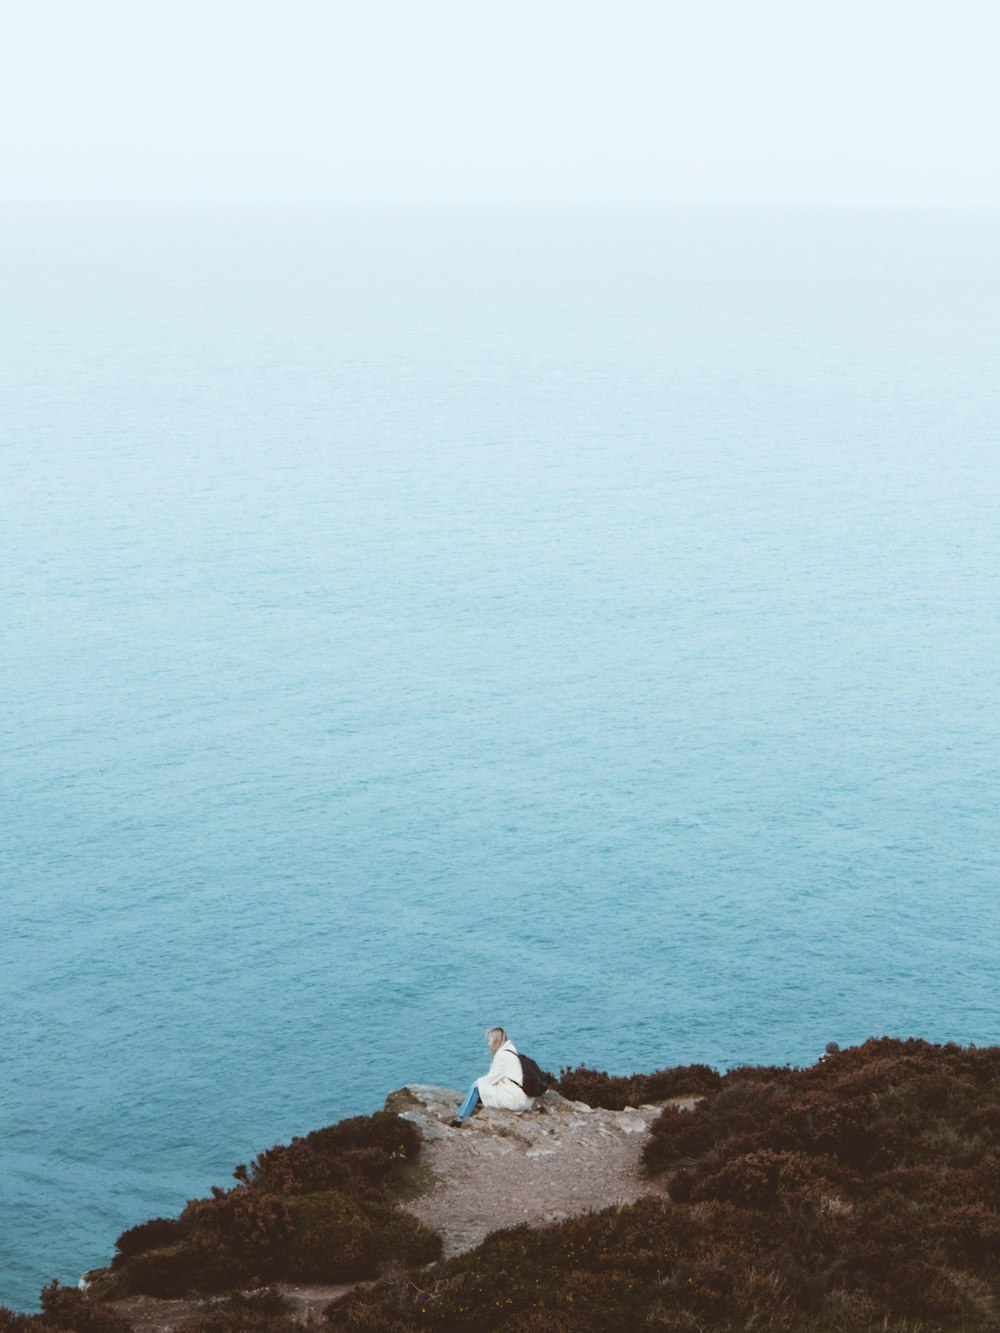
831	1049
495	1038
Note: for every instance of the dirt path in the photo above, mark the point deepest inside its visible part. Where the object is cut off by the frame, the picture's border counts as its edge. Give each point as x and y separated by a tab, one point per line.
151	1314
500	1169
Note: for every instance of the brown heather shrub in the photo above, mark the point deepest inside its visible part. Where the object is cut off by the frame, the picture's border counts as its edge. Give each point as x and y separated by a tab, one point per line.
11	1322
354	1156
151	1235
757	1179
689	1269
615	1092
241	1227
374	1315
987	1180
195	1265
884	1105
859	1194
740	1075
336	1239
68	1308
984	1122
65	1310
711	1267
262	1310
336	1180
971	1234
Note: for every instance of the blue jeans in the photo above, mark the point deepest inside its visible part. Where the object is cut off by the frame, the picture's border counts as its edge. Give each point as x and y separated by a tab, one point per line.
470	1103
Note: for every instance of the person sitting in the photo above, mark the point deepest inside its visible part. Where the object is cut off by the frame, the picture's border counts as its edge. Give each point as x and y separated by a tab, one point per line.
501	1087
832	1049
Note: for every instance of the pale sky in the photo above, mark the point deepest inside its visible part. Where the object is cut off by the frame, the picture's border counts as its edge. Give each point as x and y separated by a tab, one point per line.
414	99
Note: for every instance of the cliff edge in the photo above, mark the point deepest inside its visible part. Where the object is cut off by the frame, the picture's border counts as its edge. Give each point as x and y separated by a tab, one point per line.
554	1162
859	1192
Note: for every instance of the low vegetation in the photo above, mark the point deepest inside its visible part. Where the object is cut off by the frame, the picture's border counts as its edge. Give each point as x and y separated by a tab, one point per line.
862	1193
65	1310
615	1092
858	1194
319	1209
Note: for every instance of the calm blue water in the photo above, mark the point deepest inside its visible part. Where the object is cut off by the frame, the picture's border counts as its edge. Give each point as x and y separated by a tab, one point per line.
416	620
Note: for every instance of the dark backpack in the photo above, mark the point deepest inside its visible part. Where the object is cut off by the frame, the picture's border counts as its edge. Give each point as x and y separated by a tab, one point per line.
533	1081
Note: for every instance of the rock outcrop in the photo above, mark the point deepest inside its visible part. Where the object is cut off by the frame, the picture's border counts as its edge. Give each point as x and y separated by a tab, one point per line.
500	1169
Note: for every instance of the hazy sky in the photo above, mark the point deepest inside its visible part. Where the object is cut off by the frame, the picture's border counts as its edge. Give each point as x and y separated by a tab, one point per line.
552	98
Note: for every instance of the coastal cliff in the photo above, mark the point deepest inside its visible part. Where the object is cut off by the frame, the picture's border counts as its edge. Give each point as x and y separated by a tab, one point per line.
859	1193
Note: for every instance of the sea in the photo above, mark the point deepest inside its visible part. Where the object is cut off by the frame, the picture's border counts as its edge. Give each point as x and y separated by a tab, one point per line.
415	618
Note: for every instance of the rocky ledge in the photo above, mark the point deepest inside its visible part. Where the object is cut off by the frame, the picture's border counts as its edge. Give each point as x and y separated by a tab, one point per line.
500	1169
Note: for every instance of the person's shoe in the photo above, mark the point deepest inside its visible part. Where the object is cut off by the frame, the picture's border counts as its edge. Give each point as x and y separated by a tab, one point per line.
456	1123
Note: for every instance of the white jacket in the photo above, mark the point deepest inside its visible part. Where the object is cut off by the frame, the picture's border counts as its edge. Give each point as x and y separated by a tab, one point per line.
501	1087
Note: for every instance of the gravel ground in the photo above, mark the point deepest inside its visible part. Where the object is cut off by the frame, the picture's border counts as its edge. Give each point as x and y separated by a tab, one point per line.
501	1169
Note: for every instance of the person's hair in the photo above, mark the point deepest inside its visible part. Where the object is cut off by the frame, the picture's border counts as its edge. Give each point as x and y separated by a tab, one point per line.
495	1035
